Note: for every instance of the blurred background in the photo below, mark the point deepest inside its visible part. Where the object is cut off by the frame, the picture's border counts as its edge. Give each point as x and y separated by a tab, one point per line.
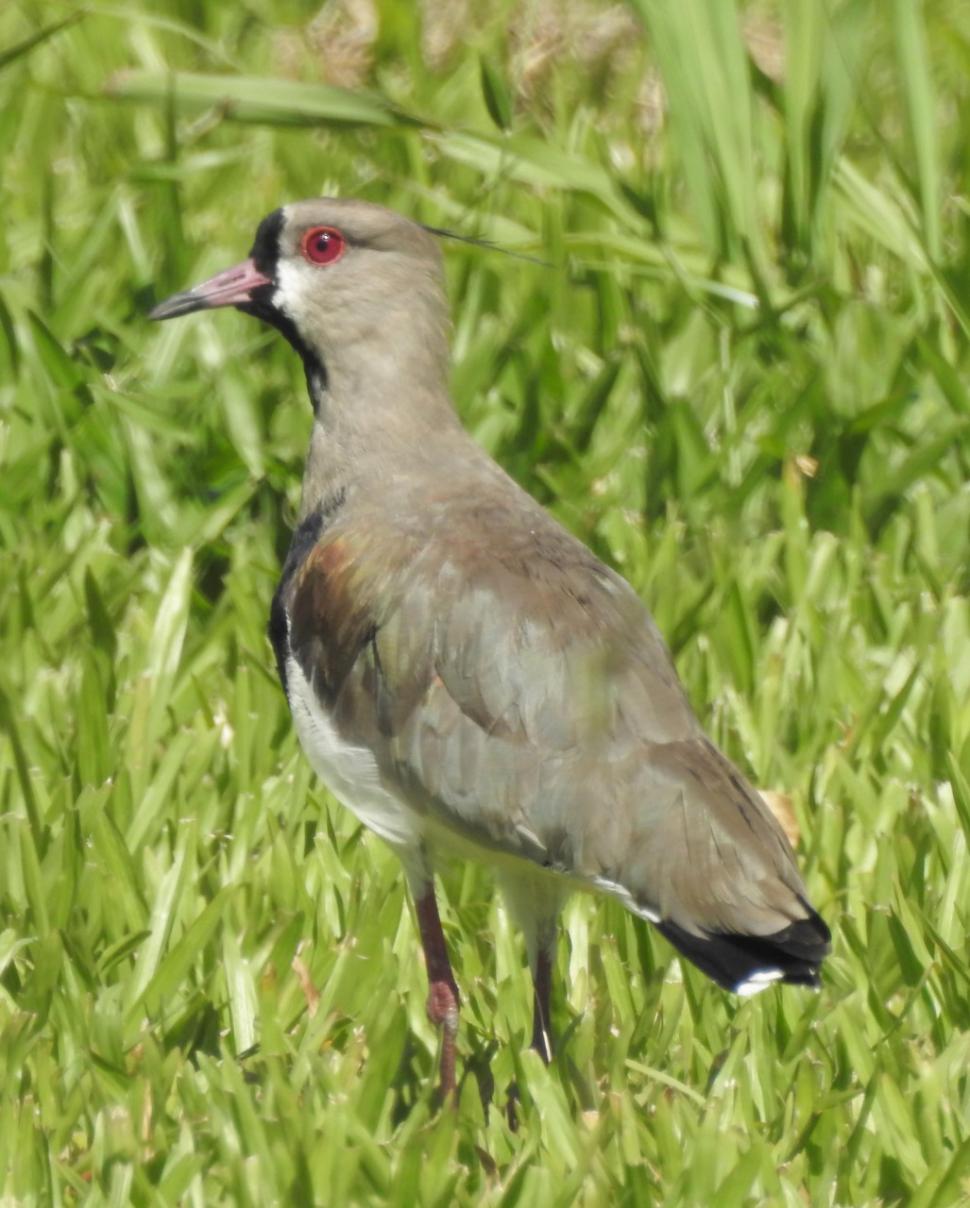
740	373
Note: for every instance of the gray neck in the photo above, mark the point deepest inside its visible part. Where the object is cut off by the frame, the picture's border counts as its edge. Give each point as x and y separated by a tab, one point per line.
380	410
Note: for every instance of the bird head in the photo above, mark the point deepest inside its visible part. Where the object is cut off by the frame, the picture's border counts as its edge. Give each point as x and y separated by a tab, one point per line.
345	281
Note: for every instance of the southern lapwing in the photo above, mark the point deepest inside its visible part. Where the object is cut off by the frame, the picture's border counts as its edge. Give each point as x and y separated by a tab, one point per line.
462	672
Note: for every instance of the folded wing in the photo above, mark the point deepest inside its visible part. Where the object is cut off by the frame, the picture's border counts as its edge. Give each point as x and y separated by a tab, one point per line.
518	695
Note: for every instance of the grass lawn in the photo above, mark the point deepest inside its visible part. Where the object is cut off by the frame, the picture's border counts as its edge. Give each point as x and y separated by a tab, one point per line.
741	375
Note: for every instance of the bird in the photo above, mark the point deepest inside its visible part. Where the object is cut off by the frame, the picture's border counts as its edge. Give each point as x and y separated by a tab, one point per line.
462	672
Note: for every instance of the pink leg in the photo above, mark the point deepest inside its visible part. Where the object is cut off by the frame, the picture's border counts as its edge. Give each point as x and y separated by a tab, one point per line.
541	1025
443	997
542	981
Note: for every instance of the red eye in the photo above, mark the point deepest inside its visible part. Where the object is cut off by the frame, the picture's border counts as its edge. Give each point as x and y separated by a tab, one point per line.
322	245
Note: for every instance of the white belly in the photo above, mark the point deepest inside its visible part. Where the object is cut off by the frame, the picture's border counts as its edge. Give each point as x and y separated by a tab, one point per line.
348	771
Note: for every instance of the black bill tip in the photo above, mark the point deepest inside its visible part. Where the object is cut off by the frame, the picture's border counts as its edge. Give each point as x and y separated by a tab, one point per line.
179	304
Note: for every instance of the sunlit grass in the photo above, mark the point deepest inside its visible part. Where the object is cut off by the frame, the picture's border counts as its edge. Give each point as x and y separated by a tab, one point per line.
741	377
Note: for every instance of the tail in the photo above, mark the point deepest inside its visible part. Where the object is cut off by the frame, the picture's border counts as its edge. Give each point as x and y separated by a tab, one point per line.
749	963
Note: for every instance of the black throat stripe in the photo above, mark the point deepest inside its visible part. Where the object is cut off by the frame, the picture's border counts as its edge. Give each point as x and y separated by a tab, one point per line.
265	251
265	254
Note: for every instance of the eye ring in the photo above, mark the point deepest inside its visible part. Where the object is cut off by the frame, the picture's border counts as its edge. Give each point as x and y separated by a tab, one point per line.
322	245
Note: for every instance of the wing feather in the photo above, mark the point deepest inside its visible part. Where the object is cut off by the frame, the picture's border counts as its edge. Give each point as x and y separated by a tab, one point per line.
516	691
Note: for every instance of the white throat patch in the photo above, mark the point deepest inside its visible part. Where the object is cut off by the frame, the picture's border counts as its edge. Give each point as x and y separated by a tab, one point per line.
290	295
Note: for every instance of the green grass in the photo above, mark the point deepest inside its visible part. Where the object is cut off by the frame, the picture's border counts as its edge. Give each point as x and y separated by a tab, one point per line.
743	380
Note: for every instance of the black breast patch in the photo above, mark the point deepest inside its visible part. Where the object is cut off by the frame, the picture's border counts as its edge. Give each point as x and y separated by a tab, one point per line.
305	537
